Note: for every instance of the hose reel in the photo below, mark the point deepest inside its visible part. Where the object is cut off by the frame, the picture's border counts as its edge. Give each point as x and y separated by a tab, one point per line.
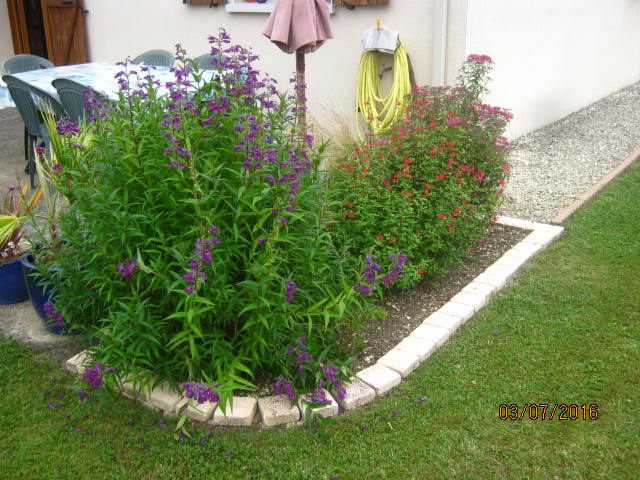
380	111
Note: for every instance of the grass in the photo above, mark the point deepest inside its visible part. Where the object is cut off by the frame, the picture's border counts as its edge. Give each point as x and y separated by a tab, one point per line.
566	331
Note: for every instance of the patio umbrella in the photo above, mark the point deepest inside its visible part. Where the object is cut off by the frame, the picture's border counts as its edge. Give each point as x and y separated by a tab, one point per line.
299	26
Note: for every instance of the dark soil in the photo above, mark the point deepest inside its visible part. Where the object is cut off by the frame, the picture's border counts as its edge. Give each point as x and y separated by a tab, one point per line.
406	309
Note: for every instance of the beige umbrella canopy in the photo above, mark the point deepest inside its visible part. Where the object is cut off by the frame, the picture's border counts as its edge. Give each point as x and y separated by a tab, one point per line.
299	26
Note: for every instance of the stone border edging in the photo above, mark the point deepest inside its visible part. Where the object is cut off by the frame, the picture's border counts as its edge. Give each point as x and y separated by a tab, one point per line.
375	380
588	195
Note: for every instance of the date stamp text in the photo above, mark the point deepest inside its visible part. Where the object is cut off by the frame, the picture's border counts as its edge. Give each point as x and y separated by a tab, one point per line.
548	411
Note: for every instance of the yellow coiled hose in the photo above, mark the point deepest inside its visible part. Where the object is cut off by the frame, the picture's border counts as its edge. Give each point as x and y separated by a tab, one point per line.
378	111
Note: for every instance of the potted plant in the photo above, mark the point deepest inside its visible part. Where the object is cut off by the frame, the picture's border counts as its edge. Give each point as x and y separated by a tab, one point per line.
38	264
16	209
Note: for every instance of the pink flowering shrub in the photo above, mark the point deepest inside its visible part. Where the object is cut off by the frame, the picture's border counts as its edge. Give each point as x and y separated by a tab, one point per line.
431	187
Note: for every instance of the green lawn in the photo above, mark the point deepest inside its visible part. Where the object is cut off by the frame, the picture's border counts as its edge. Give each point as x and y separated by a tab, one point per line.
566	331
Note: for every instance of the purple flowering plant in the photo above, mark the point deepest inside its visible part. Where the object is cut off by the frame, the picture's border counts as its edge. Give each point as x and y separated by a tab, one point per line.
315	375
97	383
430	187
53	315
197	215
310	379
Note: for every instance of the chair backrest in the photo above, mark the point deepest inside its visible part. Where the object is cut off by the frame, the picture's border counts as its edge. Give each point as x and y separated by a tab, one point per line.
27	99
45	98
24	63
74	97
158	57
204	62
25	104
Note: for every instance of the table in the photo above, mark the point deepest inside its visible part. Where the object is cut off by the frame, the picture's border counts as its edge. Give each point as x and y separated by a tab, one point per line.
99	76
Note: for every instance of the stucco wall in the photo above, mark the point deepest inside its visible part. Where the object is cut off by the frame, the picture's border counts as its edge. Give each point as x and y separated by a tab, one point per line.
331	70
554	57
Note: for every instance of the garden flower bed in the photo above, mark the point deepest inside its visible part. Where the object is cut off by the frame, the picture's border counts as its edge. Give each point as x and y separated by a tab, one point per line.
200	248
200	404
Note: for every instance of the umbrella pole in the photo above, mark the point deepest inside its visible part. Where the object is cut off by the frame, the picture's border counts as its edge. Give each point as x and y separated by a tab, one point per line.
300	94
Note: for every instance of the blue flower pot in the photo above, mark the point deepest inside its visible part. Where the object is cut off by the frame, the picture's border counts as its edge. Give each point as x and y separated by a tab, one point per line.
12	284
40	294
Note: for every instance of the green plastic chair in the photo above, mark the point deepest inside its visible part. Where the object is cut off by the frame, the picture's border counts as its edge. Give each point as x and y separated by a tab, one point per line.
203	62
72	96
30	101
158	57
25	63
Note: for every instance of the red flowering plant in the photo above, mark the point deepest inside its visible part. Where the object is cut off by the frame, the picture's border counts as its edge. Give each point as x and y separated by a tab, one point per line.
431	187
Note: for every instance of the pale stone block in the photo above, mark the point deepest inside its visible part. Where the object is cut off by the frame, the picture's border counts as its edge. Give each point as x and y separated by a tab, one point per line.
546	227
241	414
516	222
528	247
180	405
479	288
461	306
557	230
146	402
380	378
326	411
474	300
277	410
402	362
129	390
502	271
78	362
418	347
164	398
200	412
497	281
437	335
514	255
168	414
510	261
444	320
542	237
357	393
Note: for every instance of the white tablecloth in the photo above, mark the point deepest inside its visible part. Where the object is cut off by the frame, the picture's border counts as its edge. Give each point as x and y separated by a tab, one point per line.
99	76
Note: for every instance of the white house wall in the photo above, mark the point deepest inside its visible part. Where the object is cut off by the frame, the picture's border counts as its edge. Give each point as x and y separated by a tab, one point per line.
118	28
554	57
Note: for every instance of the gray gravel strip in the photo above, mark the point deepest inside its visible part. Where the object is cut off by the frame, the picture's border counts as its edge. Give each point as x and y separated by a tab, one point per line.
552	167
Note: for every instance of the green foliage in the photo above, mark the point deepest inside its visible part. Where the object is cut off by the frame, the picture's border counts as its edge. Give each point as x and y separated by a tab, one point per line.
16	208
574	339
432	187
193	246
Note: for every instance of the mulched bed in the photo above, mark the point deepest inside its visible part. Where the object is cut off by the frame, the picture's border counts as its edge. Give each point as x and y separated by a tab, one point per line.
407	309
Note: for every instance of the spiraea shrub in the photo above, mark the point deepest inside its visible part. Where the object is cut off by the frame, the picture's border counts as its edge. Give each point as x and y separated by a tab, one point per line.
430	187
